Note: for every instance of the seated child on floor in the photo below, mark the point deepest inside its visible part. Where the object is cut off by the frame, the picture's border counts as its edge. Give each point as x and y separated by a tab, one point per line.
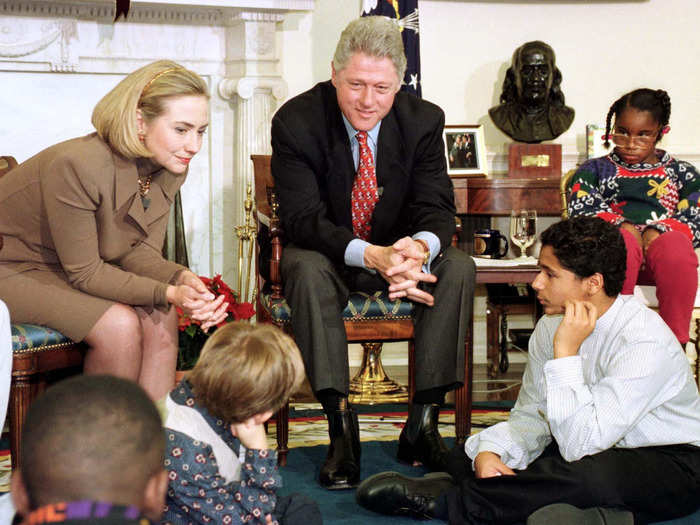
220	466
92	452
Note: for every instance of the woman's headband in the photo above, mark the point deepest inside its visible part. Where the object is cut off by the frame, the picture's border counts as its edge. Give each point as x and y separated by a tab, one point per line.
158	75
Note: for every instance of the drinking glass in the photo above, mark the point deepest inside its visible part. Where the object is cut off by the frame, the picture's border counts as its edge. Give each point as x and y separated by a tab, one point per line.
523	229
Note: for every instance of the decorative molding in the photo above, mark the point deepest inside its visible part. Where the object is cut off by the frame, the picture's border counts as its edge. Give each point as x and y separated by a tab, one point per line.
105	12
173	12
246	87
21	39
258	16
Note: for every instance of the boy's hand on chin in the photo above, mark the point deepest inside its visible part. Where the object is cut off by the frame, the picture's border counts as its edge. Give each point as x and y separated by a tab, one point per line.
578	323
251	434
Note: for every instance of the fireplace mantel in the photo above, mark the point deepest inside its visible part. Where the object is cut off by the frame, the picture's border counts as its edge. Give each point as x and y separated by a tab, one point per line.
208	11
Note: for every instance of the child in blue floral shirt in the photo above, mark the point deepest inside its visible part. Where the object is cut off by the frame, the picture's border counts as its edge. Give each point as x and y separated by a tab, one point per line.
219	465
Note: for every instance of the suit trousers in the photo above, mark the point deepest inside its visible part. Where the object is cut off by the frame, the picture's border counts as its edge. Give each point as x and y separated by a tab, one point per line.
317	292
654	483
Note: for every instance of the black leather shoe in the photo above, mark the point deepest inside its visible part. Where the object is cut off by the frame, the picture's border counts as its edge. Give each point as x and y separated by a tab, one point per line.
393	493
420	441
341	470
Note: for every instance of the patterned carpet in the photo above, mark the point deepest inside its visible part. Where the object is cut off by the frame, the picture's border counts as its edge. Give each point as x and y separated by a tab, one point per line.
308	426
5	469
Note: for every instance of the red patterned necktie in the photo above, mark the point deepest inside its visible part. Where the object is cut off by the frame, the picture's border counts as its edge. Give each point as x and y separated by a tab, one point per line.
364	190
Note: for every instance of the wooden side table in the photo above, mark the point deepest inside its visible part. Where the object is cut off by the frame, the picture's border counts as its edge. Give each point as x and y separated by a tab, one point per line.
510	275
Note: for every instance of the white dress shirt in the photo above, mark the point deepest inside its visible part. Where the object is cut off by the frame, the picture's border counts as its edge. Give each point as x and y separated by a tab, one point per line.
629	386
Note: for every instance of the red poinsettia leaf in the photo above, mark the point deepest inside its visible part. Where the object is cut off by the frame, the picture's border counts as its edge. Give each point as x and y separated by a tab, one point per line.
243	311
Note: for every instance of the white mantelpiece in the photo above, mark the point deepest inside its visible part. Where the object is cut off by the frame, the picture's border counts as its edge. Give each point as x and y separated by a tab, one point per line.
57	58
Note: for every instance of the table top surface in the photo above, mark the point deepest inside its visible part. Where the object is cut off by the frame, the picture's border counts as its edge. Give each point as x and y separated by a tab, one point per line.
506	274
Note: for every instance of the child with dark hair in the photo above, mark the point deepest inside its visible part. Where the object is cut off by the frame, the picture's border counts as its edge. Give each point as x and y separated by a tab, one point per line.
220	466
653	199
608	414
92	452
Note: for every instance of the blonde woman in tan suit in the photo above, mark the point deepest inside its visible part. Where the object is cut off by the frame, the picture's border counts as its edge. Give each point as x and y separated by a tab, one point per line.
84	222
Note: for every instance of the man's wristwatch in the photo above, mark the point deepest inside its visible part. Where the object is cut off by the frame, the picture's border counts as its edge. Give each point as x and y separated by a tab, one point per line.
426	255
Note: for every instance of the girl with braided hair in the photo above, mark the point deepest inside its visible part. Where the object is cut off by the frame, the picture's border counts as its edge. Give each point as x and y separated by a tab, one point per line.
653	199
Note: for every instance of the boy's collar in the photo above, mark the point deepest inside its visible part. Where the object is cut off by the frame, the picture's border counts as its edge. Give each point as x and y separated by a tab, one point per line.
86	511
182	395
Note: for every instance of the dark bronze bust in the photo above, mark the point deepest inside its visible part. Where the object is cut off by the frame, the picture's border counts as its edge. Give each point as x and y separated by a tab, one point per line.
532	105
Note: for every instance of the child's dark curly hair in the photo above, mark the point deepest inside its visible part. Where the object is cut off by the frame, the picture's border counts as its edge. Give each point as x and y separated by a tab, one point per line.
588	245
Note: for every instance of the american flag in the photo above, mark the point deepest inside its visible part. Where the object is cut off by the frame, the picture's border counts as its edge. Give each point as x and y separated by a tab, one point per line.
405	12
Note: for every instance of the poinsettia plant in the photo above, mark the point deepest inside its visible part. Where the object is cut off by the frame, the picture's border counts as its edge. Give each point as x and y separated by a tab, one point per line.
192	337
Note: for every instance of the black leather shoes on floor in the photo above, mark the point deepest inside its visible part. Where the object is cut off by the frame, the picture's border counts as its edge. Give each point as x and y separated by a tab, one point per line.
393	493
341	470
420	440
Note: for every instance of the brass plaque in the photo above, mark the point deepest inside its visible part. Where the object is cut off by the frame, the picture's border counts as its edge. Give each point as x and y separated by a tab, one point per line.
538	161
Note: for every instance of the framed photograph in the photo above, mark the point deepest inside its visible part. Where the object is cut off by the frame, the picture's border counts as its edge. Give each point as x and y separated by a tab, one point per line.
465	150
594	141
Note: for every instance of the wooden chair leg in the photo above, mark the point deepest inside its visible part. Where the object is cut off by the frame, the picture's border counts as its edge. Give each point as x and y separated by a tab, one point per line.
411	371
22	393
493	313
282	434
463	395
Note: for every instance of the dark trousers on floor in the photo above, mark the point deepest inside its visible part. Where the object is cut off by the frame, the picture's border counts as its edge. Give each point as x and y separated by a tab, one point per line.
297	509
317	292
654	483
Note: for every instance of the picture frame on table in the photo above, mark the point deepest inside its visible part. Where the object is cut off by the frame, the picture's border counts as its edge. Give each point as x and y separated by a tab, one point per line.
595	136
465	150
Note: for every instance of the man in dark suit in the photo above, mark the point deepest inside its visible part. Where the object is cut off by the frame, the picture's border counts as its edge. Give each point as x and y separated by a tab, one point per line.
353	224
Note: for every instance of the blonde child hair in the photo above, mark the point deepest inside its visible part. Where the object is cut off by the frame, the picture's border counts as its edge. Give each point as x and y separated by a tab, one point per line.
245	370
147	89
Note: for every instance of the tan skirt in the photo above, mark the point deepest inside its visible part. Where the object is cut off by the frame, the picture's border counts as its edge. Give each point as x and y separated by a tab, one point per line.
47	298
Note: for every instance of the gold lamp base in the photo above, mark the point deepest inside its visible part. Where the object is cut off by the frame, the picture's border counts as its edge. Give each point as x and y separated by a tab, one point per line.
371	385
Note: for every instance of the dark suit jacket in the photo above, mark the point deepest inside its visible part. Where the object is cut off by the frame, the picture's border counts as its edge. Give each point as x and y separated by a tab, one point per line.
314	171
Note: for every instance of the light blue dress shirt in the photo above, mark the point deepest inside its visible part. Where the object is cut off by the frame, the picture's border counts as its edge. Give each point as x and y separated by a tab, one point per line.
355	250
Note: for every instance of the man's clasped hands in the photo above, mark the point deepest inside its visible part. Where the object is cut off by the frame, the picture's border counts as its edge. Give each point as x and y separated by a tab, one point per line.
401	265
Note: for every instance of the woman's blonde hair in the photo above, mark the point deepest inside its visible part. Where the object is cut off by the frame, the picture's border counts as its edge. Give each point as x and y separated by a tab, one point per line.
245	370
147	88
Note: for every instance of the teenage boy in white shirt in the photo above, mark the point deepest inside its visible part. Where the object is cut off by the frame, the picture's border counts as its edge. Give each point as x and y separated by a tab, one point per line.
608	414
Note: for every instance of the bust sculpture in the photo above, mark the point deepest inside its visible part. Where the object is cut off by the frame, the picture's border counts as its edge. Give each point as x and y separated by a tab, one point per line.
532	105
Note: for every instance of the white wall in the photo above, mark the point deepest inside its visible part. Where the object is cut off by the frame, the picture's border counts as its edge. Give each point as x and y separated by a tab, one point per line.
603	49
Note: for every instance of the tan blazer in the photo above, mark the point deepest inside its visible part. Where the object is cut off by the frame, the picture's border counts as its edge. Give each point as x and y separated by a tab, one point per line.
75	208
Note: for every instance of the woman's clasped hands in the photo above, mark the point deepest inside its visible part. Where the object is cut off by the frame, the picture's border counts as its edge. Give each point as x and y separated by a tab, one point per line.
197	301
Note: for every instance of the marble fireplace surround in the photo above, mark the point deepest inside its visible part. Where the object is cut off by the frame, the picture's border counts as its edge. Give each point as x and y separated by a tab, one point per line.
69	53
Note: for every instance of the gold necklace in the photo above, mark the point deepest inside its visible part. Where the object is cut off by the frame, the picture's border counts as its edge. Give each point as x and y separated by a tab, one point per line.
144	186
